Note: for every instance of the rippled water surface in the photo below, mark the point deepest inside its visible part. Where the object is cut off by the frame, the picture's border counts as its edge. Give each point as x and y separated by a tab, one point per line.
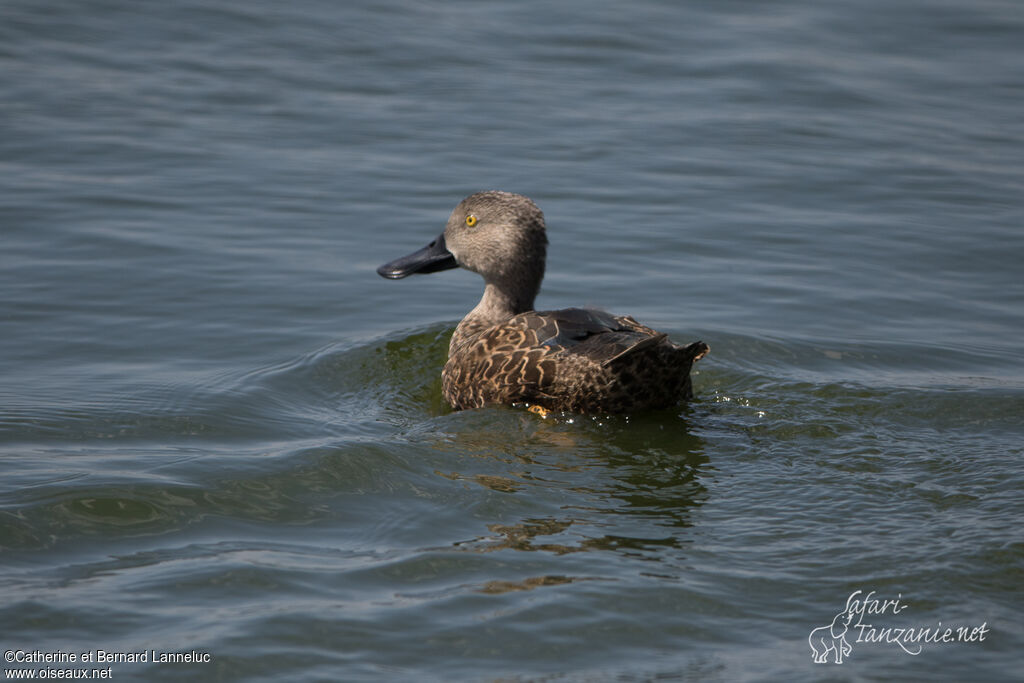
222	433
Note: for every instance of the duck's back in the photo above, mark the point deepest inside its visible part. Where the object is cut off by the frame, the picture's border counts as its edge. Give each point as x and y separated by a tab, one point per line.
575	359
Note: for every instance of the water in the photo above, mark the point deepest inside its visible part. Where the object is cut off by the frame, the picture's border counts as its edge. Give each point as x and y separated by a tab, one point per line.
222	432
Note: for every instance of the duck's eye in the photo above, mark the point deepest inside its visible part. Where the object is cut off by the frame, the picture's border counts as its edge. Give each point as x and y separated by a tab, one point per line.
471	220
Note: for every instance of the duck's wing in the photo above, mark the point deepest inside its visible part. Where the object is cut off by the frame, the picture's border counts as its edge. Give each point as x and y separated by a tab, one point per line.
566	327
601	337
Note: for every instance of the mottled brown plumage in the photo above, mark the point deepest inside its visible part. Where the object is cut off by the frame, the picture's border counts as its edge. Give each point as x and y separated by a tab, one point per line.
503	351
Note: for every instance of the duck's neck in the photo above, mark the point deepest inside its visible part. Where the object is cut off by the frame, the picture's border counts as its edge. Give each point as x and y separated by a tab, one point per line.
496	306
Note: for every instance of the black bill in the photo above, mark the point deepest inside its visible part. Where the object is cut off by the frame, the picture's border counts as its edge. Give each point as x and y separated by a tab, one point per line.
430	259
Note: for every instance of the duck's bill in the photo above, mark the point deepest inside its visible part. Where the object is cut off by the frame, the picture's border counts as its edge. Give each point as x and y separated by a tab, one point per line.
430	259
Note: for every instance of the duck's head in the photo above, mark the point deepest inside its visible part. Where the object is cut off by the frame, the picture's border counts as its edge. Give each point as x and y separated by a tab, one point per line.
499	235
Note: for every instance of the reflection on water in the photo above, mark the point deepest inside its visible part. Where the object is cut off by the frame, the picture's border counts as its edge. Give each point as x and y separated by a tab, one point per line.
529	584
626	477
528	536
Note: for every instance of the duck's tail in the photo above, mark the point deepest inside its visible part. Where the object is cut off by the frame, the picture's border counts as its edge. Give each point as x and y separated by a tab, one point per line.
696	350
689	353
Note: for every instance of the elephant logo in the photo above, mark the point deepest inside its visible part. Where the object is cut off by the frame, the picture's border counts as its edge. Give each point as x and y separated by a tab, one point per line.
832	638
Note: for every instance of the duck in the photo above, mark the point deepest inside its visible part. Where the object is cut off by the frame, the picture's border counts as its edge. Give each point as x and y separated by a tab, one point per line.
503	352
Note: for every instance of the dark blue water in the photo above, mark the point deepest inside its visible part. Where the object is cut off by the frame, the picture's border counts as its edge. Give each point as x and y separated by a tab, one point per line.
221	432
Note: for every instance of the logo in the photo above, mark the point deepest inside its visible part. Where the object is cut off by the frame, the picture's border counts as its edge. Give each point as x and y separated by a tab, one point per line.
857	622
832	639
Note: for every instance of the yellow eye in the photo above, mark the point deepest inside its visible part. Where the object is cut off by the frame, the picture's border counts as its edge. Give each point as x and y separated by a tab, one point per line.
471	220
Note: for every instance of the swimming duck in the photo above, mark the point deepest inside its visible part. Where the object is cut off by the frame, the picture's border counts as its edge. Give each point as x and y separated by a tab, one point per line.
504	352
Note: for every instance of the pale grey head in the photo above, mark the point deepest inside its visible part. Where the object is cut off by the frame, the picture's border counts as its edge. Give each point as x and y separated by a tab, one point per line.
499	235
